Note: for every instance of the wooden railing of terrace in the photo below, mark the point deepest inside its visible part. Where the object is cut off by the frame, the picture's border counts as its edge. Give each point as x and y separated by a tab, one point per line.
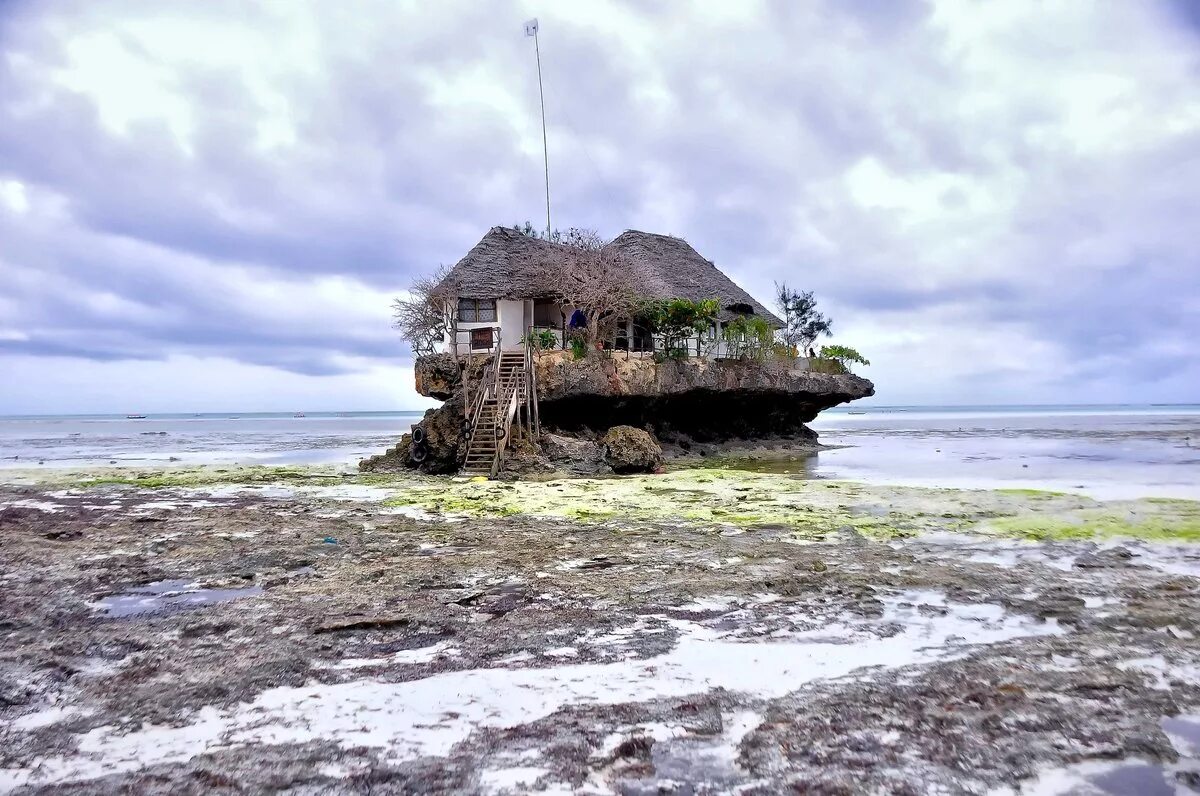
504	409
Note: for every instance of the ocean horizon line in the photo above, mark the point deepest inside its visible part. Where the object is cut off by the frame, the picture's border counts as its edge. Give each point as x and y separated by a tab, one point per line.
334	413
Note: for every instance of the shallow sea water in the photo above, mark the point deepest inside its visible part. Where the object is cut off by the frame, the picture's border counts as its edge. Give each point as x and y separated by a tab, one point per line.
1106	452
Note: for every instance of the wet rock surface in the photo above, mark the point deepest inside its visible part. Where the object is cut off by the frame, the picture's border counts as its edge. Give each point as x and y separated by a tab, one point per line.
630	450
573	454
702	401
708	400
437	445
369	642
438	376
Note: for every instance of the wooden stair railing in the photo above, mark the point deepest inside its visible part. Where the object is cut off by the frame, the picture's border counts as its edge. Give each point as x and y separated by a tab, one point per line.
500	399
486	388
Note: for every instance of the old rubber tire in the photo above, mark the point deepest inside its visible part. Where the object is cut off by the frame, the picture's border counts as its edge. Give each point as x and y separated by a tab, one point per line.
418	453
418	435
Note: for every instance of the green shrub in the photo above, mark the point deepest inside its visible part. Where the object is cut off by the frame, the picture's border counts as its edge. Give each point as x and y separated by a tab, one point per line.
843	356
578	346
784	351
832	366
675	320
670	354
545	340
749	337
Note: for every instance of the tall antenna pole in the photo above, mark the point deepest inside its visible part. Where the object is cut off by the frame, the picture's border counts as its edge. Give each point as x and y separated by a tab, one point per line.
531	29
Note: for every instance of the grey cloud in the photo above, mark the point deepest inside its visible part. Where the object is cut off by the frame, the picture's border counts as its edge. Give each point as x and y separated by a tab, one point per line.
748	155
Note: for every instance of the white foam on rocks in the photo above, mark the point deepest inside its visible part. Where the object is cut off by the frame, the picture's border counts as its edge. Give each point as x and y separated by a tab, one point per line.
430	715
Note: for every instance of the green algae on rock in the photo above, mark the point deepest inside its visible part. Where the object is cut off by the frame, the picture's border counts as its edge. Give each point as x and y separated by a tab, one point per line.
1150	519
729	498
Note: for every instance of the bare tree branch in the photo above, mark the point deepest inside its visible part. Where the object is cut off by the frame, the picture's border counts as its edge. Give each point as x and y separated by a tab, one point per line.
594	279
421	316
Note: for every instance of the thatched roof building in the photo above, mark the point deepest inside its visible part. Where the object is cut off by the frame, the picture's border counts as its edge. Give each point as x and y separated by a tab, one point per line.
503	265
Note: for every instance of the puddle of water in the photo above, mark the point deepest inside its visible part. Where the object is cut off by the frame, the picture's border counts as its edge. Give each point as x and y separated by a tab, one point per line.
47	717
1143	779
1184	732
516	779
413	656
799	466
167	595
430	715
1161	671
239	490
44	506
1007	553
711	759
1098	777
352	492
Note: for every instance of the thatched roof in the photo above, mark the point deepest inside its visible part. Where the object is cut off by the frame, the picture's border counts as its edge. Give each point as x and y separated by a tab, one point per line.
503	264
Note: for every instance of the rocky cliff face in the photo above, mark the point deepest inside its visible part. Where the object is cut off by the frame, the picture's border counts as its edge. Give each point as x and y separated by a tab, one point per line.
440	447
704	399
560	376
436	376
697	399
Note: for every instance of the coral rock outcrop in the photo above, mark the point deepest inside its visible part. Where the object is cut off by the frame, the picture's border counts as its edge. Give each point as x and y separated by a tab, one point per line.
631	450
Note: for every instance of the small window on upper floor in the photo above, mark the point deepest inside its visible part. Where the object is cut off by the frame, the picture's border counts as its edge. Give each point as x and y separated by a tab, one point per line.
477	310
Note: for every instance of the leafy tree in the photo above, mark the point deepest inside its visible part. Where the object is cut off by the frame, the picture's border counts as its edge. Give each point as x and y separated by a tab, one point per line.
749	337
803	323
843	355
675	320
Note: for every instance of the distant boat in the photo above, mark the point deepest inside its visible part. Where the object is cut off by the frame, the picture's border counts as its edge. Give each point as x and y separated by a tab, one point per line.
856	413
298	414
135	417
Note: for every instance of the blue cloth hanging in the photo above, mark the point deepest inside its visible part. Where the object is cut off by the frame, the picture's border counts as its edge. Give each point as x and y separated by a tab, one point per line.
578	320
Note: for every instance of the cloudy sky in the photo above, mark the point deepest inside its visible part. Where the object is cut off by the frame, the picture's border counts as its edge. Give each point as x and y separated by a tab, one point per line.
208	205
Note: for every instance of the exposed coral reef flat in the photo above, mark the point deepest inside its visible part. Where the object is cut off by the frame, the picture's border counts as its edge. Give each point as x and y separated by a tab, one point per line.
216	630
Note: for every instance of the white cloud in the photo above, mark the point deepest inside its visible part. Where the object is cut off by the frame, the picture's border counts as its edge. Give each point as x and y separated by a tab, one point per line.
199	384
1002	192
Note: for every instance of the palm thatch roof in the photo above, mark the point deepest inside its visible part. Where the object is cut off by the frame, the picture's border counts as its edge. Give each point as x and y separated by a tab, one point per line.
504	265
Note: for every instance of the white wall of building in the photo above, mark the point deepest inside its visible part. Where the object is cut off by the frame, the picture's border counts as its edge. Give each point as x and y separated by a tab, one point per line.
511	317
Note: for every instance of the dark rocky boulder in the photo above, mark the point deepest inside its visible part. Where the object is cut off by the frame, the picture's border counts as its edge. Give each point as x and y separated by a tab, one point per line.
524	459
1104	559
437	444
577	455
437	376
630	450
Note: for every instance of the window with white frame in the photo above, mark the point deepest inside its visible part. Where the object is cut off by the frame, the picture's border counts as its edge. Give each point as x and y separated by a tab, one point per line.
477	310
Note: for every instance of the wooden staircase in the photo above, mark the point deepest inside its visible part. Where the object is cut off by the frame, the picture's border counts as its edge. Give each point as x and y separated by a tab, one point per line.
505	390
